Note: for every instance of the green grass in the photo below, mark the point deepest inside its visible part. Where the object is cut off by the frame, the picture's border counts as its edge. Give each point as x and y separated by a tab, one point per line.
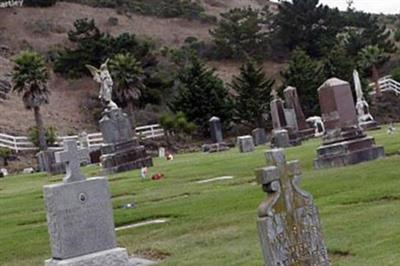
215	223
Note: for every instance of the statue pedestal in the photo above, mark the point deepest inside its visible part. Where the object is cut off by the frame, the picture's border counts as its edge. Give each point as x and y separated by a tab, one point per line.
121	151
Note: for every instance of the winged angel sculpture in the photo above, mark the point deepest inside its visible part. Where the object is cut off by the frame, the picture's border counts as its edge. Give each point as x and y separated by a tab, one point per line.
103	77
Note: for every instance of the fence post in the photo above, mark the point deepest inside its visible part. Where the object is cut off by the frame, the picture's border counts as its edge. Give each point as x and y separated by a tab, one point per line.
15	145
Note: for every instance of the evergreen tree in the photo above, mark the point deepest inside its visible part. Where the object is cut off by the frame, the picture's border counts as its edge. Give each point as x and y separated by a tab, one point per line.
307	76
363	30
370	58
241	33
128	78
337	63
308	25
201	95
30	77
254	90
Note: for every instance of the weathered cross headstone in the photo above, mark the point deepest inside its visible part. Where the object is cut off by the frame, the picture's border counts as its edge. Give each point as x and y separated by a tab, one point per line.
343	142
288	221
246	144
80	219
292	102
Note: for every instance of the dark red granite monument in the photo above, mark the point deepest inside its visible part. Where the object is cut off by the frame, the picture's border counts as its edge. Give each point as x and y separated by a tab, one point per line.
344	142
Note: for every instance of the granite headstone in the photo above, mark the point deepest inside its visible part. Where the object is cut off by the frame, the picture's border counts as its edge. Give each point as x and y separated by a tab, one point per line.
343	142
80	219
246	144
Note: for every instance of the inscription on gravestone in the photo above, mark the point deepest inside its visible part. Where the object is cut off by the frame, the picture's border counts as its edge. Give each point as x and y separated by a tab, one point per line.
288	221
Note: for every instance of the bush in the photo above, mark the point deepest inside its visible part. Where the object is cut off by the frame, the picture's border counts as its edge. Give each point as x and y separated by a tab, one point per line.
396	74
5	154
51	136
177	125
39	3
397	35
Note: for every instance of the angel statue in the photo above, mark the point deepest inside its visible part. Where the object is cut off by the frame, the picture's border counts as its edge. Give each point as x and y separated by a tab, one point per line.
103	77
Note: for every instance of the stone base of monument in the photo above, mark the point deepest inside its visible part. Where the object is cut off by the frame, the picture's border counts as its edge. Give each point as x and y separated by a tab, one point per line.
124	156
347	153
370	125
307	133
245	144
111	257
215	147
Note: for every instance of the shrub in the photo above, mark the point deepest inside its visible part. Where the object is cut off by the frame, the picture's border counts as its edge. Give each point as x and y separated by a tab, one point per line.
396	74
51	136
177	125
5	154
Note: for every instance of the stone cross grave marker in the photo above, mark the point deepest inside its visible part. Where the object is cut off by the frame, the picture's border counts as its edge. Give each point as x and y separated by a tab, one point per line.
288	221
80	217
71	157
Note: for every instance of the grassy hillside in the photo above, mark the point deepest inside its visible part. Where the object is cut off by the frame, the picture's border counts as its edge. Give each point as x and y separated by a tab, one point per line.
215	223
45	29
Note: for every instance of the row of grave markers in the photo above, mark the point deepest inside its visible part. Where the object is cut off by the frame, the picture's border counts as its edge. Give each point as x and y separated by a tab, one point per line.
79	210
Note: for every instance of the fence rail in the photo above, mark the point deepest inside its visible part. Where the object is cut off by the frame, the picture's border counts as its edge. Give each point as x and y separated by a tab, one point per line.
387	84
94	140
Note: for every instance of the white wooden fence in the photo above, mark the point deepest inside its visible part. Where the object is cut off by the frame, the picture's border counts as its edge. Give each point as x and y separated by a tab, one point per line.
387	84
21	143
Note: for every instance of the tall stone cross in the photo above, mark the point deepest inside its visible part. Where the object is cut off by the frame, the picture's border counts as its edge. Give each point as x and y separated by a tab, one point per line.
71	157
288	221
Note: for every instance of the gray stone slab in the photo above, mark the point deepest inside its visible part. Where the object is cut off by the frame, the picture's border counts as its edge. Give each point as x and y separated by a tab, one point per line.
246	144
280	138
79	217
112	257
259	136
216	130
116	127
141	262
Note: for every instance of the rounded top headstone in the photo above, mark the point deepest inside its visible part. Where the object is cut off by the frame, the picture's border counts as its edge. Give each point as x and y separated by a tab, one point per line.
214	118
333	82
290	88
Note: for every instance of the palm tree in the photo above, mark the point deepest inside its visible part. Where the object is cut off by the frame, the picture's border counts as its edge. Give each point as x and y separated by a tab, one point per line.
30	77
370	58
128	76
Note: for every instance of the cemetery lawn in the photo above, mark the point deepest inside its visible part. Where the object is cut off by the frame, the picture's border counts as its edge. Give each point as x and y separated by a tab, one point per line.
215	223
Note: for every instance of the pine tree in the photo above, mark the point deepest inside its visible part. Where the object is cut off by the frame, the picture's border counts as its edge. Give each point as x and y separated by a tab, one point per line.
254	90
306	75
201	95
337	63
241	33
308	25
